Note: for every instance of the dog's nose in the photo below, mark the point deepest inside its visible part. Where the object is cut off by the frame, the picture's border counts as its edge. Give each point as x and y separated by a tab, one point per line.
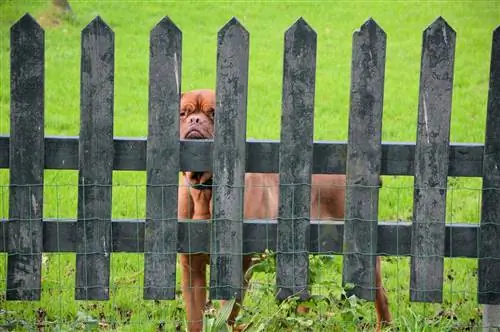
194	119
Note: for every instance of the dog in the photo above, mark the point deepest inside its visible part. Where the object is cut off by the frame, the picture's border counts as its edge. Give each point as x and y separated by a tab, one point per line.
197	114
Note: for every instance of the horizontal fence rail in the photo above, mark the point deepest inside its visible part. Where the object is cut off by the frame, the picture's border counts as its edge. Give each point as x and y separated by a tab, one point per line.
262	156
326	237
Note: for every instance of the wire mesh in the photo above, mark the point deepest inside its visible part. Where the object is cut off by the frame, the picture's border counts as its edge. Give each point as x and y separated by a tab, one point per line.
328	306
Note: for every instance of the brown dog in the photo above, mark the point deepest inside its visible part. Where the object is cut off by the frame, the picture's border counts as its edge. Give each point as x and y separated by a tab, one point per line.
261	202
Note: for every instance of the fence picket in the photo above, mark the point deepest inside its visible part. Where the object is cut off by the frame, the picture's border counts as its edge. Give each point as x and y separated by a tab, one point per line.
95	162
364	153
25	232
431	162
229	153
296	155
160	239
489	246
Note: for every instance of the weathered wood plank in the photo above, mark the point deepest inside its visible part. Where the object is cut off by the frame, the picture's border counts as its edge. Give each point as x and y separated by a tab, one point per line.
465	159
26	160
364	152
295	165
489	244
431	162
326	237
160	256
96	163
226	278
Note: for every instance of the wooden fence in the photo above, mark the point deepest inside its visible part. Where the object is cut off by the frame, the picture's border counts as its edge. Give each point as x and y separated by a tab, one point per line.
96	153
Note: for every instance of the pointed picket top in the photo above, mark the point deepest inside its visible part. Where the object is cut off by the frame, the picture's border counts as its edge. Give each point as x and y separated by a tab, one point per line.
495	53
440	28
232	29
371	27
495	50
97	25
233	21
26	23
496	39
300	39
300	28
438	48
440	22
166	24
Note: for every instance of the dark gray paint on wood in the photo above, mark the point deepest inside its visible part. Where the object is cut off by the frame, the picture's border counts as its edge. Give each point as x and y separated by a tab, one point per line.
489	245
26	160
431	162
465	159
162	161
296	155
96	162
226	278
363	163
394	238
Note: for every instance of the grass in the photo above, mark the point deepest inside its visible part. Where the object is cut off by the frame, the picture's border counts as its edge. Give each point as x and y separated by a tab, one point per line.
403	21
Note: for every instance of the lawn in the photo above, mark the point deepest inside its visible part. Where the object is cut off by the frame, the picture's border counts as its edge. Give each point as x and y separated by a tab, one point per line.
334	23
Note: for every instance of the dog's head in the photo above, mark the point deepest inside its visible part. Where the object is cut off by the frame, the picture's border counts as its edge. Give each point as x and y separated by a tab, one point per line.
197	114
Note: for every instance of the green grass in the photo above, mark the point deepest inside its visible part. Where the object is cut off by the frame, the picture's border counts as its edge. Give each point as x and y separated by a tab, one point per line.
334	22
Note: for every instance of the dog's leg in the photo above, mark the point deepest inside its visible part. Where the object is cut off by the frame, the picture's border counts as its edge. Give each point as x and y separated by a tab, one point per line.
381	301
247	262
194	205
194	288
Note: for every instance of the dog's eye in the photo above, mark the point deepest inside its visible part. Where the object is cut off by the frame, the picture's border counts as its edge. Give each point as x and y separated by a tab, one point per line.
183	114
211	111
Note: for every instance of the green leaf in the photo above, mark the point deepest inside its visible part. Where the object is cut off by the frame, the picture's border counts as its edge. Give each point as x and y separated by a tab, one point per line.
223	315
349	286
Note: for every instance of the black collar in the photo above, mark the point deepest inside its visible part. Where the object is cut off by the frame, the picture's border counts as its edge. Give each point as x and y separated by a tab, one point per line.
207	185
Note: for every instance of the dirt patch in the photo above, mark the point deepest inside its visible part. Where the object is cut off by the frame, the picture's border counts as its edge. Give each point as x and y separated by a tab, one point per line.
48	20
52	17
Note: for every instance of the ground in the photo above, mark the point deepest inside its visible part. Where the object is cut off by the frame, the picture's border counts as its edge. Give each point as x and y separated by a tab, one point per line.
334	22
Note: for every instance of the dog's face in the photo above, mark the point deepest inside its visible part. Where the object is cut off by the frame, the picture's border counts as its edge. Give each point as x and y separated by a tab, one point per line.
197	114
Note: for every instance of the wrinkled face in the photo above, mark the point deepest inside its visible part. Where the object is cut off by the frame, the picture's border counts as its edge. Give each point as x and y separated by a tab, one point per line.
197	114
